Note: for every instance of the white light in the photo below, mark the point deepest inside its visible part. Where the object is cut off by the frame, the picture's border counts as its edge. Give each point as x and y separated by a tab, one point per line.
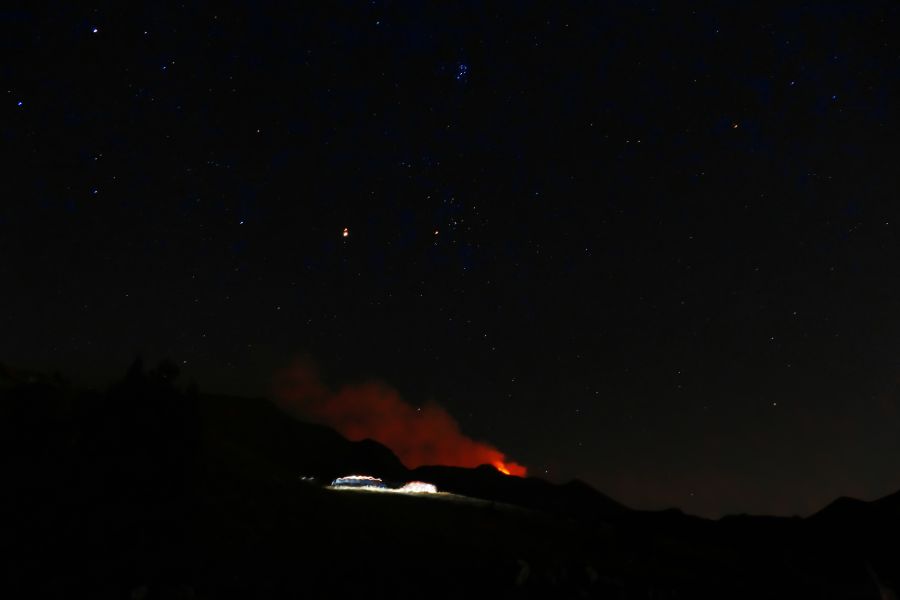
369	483
357	481
418	487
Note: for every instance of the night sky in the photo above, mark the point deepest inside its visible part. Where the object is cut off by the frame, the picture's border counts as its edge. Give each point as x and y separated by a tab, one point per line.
655	246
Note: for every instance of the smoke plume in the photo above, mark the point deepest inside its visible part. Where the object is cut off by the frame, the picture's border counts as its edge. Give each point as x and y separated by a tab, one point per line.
425	435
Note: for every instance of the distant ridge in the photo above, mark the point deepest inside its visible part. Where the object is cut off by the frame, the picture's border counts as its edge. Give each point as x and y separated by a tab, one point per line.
255	431
180	487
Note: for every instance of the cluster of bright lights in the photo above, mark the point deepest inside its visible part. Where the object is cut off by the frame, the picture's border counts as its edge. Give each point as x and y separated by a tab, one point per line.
358	481
418	487
367	482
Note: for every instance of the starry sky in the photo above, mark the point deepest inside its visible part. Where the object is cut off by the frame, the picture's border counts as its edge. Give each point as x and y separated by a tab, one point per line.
650	245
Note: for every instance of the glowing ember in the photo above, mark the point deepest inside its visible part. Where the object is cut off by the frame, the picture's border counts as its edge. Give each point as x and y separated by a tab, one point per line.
501	467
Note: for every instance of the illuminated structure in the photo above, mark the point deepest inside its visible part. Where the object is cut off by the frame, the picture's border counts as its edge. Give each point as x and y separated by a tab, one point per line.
368	482
418	487
358	481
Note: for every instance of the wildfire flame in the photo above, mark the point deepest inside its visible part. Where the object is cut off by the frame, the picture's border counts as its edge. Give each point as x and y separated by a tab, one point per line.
418	435
501	467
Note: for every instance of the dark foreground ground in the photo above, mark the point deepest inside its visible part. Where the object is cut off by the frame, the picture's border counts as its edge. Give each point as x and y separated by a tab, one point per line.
149	491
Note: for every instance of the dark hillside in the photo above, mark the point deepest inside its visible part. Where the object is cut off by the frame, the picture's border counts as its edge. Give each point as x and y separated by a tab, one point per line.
148	490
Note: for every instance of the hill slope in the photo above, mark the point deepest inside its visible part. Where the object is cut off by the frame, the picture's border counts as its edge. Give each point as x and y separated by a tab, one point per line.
148	490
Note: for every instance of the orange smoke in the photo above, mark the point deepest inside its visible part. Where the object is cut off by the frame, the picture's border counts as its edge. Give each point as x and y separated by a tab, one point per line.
425	435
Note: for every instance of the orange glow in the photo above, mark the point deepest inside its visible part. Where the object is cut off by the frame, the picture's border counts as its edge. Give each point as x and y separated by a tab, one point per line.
346	232
418	435
510	468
